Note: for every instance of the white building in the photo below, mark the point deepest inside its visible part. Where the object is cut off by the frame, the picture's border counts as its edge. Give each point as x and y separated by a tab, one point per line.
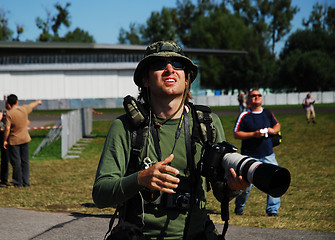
74	75
67	74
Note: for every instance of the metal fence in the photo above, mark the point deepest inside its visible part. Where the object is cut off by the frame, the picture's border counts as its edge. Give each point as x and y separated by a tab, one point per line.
217	100
76	125
268	99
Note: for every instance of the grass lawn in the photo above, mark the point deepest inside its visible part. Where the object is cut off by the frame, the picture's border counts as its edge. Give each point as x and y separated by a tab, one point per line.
308	151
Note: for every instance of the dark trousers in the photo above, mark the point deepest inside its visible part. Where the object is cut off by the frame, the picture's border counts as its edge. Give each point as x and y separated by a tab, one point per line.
19	158
4	160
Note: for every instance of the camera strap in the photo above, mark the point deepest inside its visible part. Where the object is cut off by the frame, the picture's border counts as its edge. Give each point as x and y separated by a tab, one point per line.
224	213
195	177
190	155
152	196
183	118
155	134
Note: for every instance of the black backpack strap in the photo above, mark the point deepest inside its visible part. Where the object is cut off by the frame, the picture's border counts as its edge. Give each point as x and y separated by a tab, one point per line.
268	114
137	143
111	222
139	122
136	111
119	211
194	174
203	128
276	138
124	229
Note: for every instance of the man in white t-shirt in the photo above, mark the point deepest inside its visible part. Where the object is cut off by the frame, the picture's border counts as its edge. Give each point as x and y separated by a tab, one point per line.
308	105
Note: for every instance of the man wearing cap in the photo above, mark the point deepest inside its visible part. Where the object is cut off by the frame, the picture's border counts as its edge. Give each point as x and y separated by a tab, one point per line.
151	192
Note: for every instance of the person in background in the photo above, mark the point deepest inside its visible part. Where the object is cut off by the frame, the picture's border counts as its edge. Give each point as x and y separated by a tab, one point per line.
17	138
308	104
4	152
246	97
253	128
241	102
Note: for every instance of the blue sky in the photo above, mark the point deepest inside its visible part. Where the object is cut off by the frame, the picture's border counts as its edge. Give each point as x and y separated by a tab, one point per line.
104	18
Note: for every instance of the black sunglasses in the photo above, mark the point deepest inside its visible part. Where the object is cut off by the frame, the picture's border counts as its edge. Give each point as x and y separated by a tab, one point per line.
161	64
255	95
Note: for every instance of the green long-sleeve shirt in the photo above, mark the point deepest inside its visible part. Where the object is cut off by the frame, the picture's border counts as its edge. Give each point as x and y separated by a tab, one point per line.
112	187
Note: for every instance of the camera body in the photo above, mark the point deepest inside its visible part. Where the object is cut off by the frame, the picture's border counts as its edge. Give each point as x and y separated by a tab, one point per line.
218	158
211	158
178	200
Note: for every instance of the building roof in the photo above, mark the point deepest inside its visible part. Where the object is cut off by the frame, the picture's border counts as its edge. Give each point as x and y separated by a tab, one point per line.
13	48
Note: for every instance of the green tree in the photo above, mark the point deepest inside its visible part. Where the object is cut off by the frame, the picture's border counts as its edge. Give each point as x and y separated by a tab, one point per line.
78	35
271	19
250	14
63	17
168	24
330	19
308	71
228	24
19	31
131	37
321	17
230	72
307	61
160	26
5	32
187	13
308	40
54	23
45	25
279	13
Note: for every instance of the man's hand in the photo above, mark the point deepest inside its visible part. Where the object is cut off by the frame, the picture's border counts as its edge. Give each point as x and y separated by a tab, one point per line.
5	144
159	176
236	183
271	131
258	134
35	103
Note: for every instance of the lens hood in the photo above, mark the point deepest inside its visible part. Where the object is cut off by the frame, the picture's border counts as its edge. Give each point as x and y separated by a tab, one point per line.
271	179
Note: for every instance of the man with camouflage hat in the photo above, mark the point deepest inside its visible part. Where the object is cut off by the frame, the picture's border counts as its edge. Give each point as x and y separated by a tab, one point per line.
158	194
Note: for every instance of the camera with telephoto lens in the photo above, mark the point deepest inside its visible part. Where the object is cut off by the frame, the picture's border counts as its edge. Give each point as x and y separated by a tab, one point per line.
217	159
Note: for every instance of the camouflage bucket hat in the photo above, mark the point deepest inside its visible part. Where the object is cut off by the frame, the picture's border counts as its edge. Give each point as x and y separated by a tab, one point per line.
163	49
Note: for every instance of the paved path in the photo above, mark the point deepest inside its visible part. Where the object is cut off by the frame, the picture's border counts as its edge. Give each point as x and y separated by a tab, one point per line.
18	224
